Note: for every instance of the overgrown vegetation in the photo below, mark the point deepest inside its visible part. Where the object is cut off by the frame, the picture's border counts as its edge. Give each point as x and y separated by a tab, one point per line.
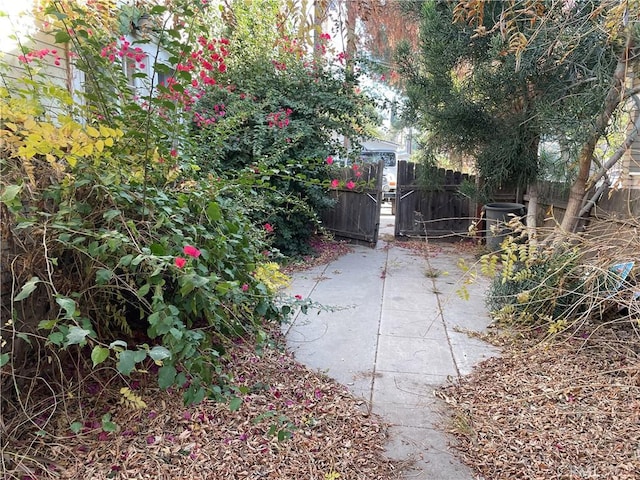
591	279
141	216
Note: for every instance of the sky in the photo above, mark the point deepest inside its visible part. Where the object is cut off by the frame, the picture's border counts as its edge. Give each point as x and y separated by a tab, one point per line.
13	19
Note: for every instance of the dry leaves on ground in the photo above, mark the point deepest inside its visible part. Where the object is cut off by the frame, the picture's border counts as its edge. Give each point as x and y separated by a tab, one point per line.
431	248
324	432
325	251
565	409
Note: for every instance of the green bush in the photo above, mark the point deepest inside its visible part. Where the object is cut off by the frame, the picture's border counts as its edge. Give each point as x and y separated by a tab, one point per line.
124	248
557	286
535	286
274	120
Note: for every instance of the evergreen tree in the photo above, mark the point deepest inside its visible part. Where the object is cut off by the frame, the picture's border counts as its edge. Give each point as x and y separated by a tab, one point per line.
491	86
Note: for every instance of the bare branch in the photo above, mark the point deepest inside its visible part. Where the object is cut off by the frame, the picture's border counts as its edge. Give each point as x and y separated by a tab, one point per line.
633	134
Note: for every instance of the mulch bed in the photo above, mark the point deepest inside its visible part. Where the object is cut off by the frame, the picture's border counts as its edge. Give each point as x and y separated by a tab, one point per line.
567	408
325	433
325	250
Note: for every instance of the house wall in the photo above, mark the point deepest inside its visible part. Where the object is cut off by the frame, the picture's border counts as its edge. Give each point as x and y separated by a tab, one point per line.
56	67
631	160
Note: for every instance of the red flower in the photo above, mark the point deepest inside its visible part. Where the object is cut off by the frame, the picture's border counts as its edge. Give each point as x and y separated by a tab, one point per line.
180	262
335	183
350	185
191	251
268	227
298	297
174	153
329	160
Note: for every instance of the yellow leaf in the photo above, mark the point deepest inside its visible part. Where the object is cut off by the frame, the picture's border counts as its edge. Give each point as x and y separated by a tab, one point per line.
27	151
72	160
100	145
29	124
86	150
93	132
108	142
104	131
11	126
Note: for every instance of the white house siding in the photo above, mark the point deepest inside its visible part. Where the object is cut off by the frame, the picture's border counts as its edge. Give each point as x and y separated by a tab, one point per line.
35	39
631	162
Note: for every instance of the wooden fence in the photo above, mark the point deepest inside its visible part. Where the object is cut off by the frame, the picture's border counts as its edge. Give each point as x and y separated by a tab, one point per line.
429	202
356	214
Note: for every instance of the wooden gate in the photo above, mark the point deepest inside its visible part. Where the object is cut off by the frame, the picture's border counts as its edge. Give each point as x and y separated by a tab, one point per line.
356	214
434	207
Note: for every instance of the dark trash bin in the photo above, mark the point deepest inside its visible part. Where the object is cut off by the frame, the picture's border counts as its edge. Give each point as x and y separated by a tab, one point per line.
498	214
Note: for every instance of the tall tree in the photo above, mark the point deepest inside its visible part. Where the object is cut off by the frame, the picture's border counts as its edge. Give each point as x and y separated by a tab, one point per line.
476	99
569	29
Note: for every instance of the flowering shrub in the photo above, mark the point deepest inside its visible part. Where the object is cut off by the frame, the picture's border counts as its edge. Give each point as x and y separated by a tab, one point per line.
282	110
142	254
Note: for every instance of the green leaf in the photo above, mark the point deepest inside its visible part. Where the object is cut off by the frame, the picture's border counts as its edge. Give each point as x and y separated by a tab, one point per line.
118	343
107	424
139	355
111	214
62	37
103	276
190	282
68	305
157	249
126	260
75	427
77	336
214	212
56	338
143	290
126	362
159	353
47	324
166	376
99	354
4	359
27	289
235	403
9	193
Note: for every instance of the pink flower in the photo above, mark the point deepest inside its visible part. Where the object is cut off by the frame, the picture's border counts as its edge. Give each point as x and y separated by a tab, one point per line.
335	183
358	174
245	287
191	251
268	227
298	297
180	262
329	160
350	185
174	153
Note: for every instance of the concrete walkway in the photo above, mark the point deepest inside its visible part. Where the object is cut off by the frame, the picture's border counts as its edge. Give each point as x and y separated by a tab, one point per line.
393	338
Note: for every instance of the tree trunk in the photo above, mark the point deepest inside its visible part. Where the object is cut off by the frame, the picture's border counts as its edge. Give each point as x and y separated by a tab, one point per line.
532	213
351	41
613	99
